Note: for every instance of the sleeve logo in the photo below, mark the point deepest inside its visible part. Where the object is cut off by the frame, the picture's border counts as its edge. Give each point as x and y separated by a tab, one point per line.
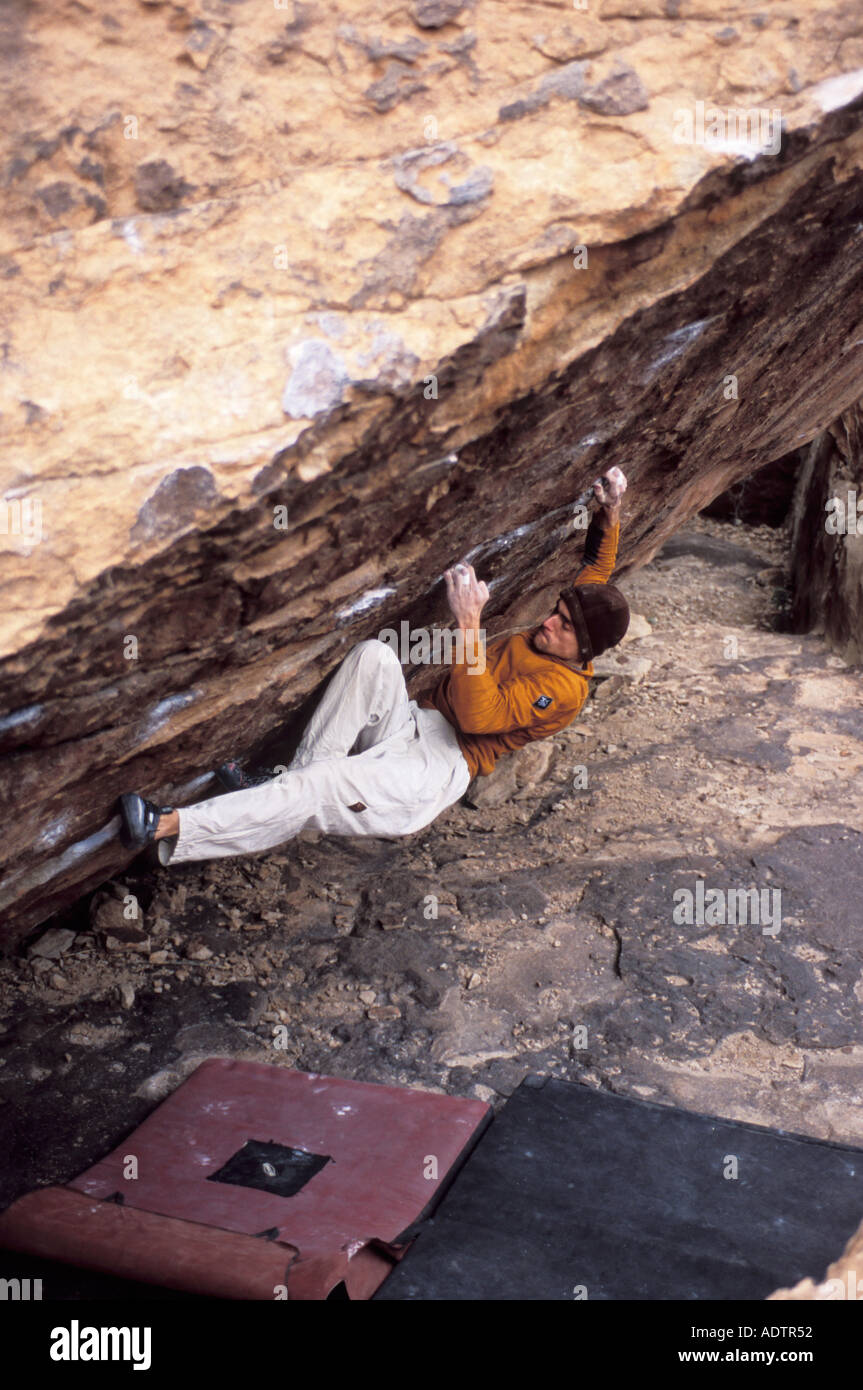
543	702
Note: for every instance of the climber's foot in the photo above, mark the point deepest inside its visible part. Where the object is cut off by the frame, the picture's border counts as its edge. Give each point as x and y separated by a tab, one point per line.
140	820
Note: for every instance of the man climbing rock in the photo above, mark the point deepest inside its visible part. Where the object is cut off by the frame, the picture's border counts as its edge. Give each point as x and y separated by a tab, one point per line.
374	762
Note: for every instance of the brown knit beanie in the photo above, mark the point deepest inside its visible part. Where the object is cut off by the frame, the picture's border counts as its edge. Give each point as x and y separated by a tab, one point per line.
600	616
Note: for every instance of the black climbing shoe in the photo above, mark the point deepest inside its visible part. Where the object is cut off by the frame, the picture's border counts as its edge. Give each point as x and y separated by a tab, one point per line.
139	820
234	778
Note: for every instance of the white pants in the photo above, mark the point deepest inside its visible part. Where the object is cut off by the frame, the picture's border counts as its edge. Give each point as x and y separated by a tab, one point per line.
371	762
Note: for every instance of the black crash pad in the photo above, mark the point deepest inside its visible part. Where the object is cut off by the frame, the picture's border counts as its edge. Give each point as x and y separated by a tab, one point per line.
575	1193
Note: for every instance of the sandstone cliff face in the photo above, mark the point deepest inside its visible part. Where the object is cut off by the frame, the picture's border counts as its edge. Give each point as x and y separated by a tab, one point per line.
296	317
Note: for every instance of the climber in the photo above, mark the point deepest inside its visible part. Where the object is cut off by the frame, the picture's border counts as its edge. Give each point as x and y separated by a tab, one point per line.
374	762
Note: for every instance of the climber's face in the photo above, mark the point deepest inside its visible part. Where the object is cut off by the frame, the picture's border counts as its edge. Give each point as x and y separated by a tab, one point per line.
556	636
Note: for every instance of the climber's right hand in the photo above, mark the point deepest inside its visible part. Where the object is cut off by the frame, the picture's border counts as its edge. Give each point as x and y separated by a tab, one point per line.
467	595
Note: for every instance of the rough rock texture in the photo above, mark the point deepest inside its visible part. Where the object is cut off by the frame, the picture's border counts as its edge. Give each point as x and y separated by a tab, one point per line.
321	258
827	564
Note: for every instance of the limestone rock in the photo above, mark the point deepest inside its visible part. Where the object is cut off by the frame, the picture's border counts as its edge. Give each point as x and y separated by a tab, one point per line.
126	994
52	944
533	763
115	922
384	1013
498	787
293	322
622	663
517	772
434	14
620	92
638	627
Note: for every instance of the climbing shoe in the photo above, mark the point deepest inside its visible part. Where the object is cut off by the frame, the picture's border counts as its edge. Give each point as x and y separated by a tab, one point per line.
234	778
139	820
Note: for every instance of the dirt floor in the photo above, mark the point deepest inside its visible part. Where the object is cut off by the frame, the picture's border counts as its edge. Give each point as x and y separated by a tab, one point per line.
533	931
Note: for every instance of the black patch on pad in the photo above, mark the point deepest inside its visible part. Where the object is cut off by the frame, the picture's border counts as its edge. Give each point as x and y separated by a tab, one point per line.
271	1168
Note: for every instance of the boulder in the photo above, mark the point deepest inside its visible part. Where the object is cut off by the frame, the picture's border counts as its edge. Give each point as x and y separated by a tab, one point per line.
827	538
513	777
305	307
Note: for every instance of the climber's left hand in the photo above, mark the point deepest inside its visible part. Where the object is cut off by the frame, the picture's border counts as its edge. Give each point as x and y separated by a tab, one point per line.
467	595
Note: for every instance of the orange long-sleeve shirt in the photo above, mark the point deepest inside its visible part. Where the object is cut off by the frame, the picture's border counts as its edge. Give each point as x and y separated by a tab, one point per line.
521	695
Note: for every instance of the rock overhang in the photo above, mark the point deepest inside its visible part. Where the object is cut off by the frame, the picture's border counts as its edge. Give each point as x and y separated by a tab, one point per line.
412	286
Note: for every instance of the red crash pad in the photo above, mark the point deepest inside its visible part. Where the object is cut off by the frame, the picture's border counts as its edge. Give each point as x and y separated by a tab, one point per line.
253	1180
